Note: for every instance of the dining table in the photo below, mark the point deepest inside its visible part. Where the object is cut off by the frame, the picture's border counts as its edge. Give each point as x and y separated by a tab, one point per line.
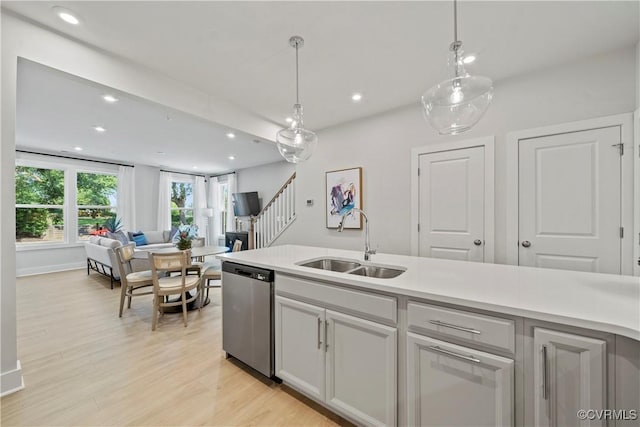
198	254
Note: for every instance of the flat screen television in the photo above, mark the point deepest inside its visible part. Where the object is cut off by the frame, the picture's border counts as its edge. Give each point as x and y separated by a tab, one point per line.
246	204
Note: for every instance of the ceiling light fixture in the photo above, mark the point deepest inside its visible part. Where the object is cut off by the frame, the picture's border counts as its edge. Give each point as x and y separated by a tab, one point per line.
356	97
288	120
195	167
99	129
161	153
77	148
295	143
232	158
110	98
231	135
66	15
456	105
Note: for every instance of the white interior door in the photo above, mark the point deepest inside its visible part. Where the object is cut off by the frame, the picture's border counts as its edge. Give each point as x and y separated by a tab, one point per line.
569	201
451	207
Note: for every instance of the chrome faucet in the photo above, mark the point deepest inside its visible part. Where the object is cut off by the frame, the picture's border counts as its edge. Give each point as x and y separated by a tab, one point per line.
367	247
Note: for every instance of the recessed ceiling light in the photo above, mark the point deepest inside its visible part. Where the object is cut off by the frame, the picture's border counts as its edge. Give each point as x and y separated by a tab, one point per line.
232	158
288	120
77	148
110	98
66	15
195	167
99	129
356	97
469	59
231	135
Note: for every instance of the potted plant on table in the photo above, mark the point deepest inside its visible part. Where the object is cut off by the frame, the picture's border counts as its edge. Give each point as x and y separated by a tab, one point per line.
184	236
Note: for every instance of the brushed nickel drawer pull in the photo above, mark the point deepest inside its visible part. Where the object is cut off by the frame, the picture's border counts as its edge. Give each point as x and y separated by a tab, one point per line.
459	328
319	339
545	385
451	353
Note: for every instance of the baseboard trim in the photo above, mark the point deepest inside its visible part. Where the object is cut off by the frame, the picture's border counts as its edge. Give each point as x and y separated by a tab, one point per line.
11	381
32	271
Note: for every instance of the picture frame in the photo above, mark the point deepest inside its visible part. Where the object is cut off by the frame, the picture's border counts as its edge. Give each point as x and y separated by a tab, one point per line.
343	192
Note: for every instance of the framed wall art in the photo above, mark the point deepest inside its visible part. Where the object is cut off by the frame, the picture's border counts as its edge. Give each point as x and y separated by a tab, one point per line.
343	193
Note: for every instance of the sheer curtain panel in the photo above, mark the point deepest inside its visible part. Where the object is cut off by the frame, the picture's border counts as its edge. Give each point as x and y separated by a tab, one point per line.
231	188
126	203
214	199
164	201
200	205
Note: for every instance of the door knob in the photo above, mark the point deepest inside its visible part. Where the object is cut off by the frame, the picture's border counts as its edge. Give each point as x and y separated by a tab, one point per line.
477	242
526	243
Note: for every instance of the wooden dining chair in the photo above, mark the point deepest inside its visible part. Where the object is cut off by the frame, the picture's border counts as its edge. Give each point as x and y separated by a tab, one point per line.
211	271
131	282
166	283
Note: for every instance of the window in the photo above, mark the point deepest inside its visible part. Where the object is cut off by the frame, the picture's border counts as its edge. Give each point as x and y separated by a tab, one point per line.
181	203
223	197
96	195
40	199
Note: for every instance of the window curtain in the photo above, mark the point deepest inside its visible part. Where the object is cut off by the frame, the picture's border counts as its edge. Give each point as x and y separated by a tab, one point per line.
164	202
200	205
214	222
231	182
126	199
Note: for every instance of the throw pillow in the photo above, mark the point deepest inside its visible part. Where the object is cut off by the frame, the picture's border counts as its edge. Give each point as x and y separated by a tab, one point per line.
119	235
140	239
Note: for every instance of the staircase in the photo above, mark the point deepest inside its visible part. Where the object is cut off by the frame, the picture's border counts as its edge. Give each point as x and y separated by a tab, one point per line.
276	216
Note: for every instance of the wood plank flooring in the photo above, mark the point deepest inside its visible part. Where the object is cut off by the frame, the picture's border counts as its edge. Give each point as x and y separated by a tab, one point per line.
84	366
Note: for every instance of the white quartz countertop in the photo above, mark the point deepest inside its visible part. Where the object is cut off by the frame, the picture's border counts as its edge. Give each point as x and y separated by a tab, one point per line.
602	302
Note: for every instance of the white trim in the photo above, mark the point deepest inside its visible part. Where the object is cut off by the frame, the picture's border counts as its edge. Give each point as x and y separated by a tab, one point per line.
488	142
32	271
21	247
625	121
12	381
636	202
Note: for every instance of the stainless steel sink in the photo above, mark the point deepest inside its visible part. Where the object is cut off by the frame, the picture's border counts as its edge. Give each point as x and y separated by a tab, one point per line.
377	272
332	264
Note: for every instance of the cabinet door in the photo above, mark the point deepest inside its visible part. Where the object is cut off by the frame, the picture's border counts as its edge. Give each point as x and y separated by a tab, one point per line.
300	353
450	385
569	375
361	369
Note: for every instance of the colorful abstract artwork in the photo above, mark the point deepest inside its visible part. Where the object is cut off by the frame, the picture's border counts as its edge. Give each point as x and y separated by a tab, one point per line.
344	192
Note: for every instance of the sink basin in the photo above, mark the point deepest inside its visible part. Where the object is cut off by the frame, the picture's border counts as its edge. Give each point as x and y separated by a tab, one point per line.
332	264
377	272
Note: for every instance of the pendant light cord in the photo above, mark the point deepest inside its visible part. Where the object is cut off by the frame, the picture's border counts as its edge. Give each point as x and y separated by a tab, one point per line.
455	21
297	84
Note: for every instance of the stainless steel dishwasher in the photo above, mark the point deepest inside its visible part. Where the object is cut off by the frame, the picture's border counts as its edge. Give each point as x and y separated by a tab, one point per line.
247	316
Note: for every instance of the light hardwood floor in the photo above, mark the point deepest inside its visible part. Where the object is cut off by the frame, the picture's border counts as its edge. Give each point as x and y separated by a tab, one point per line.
84	366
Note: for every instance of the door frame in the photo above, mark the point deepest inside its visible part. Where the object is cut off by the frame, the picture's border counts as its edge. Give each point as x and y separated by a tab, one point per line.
487	142
625	121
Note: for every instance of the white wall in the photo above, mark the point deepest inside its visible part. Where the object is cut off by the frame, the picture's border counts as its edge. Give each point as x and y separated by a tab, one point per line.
147	180
266	180
598	86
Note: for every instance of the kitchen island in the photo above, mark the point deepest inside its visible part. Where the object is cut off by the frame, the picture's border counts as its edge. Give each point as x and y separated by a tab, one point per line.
455	342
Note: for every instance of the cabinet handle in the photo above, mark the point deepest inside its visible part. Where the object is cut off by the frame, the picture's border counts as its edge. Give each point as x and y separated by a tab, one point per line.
319	339
451	353
545	393
326	341
459	328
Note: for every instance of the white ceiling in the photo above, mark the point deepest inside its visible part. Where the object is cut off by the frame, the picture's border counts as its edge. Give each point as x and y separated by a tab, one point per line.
57	111
390	51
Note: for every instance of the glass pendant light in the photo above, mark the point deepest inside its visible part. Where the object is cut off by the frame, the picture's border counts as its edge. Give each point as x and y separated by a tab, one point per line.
295	143
456	105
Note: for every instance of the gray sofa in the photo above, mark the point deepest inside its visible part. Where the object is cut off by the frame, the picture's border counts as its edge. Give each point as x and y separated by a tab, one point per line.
101	256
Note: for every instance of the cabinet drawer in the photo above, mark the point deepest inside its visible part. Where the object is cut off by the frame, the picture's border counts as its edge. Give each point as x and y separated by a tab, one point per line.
380	308
469	327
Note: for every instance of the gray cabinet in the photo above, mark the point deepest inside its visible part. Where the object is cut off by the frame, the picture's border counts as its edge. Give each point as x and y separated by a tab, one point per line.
452	385
300	350
569	374
343	361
